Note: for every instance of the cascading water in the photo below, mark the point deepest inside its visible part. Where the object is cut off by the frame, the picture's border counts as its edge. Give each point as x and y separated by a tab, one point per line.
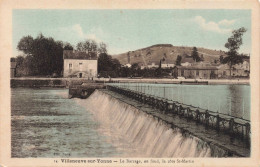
147	135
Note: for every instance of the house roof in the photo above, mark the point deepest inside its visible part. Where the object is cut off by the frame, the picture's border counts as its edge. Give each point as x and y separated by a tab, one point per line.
197	67
187	59
71	54
13	64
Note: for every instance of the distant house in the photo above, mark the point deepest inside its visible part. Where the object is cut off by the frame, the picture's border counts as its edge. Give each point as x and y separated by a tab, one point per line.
153	65
238	70
187	61
167	64
128	65
13	70
202	72
79	64
143	67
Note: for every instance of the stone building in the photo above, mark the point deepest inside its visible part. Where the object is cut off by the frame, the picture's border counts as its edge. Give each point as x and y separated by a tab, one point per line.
238	70
79	64
13	70
167	63
187	60
195	72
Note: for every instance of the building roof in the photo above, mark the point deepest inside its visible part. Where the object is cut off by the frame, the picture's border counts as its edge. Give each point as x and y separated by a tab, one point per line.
197	67
71	54
187	59
13	64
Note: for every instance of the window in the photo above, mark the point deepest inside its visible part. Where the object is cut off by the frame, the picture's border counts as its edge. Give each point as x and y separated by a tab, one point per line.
80	66
182	72
70	67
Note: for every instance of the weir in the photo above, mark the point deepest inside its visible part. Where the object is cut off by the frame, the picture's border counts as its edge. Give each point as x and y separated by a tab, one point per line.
152	136
221	122
162	134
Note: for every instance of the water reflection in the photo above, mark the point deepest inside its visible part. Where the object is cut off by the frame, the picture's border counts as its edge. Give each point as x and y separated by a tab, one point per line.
228	99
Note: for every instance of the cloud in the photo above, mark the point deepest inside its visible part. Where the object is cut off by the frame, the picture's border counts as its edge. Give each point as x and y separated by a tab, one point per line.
213	26
226	22
90	35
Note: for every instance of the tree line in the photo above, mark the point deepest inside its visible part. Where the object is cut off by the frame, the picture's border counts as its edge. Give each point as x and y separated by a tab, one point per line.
43	56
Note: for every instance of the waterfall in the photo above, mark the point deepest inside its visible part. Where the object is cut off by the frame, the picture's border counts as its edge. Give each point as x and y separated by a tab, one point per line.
148	135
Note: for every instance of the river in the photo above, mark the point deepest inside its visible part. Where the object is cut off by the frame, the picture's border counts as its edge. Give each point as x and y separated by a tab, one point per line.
45	123
227	99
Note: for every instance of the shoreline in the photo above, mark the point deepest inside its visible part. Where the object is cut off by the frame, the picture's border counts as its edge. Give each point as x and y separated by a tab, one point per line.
142	80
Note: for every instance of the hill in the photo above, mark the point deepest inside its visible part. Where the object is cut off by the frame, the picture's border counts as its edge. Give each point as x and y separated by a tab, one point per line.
169	52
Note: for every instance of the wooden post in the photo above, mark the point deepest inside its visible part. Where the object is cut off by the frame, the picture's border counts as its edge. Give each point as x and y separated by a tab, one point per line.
188	112
180	110
173	107
197	115
166	106
231	126
247	125
207	118
218	123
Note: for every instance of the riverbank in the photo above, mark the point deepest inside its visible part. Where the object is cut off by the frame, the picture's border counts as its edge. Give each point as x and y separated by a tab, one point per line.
65	82
181	81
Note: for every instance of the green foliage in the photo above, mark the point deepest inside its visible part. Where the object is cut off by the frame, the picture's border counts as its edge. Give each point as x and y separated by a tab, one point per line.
178	60
235	41
25	44
135	66
221	58
102	48
195	54
43	56
106	63
68	46
233	44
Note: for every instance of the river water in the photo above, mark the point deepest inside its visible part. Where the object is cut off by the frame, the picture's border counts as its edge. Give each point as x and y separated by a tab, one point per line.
227	99
45	123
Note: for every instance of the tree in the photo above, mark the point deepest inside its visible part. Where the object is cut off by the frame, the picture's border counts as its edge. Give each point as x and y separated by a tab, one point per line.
135	66
195	54
221	59
91	46
104	62
178	60
43	56
102	48
233	44
25	45
68	46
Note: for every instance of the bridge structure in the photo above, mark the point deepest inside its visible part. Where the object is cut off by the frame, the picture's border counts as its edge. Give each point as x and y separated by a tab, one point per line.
233	126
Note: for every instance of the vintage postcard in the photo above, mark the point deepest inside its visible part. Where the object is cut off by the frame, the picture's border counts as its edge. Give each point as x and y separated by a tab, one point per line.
129	83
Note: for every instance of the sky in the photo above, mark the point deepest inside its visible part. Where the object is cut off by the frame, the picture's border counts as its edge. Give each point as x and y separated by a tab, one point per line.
126	30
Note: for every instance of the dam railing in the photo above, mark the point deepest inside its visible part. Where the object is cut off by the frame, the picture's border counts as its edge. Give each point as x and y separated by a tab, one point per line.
234	126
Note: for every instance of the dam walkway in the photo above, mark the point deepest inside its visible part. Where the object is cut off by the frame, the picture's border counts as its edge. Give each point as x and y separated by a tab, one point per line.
227	132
